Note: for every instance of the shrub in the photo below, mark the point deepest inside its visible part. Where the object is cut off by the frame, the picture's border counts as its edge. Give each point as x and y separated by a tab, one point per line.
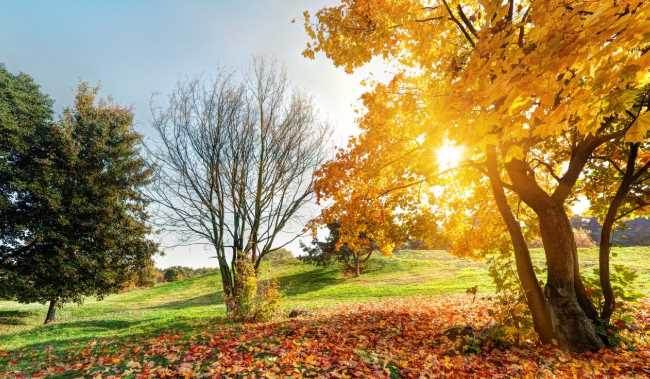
174	273
253	300
618	332
145	276
510	310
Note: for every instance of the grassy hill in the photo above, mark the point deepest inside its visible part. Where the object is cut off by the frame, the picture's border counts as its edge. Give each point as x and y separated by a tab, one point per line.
193	304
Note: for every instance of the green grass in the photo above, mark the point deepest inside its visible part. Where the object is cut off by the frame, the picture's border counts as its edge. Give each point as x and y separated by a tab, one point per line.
191	305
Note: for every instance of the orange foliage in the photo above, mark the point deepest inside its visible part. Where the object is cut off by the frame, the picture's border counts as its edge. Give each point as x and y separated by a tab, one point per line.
441	337
522	78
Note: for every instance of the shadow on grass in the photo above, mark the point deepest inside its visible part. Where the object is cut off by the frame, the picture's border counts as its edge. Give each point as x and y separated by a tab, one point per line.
308	281
30	358
95	325
293	284
14	317
207	299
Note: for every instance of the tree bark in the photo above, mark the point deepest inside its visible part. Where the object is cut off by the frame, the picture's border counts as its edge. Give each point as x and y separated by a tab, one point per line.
51	312
609	303
574	330
581	292
534	296
564	292
357	265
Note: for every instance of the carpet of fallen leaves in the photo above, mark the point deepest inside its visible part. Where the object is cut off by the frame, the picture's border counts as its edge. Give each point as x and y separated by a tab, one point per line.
390	339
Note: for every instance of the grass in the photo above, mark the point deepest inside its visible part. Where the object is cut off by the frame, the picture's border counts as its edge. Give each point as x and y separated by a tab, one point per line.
193	304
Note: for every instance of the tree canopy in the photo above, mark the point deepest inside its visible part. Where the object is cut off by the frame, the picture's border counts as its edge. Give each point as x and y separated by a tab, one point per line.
236	164
74	219
530	89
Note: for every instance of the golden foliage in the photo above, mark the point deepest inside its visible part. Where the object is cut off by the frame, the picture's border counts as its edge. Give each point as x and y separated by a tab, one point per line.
477	73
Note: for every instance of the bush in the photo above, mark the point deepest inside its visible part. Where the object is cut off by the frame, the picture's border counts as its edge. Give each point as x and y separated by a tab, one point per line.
511	310
252	301
618	332
174	273
145	276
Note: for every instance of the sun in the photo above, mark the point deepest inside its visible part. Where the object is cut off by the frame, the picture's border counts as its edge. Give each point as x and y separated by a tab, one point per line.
449	156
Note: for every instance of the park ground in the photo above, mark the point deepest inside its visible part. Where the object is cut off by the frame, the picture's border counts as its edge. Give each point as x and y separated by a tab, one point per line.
408	314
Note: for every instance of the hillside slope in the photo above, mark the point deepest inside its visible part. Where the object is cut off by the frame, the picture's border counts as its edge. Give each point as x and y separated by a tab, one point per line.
192	304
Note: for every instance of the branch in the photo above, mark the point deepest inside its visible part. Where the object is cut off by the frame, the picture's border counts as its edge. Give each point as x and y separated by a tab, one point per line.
460	26
549	168
467	22
520	39
641	171
641	204
435	18
610	161
407	185
511	10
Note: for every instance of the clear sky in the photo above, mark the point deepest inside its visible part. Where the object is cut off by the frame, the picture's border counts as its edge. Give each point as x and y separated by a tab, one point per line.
135	48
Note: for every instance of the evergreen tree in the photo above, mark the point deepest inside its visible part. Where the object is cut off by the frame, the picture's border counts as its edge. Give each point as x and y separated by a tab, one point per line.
90	230
323	253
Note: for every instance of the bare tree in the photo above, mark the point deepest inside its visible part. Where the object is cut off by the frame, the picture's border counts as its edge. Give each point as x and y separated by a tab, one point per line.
235	163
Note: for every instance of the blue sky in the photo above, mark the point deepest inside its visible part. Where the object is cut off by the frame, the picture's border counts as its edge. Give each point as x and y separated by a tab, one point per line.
137	48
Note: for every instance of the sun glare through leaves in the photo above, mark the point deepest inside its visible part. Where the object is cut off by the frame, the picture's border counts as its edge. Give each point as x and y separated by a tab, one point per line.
449	156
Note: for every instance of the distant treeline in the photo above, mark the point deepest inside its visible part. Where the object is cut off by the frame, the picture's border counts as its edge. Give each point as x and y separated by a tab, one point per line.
151	275
635	232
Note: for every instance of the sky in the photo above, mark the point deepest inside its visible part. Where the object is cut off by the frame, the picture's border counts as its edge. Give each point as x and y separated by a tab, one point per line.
135	49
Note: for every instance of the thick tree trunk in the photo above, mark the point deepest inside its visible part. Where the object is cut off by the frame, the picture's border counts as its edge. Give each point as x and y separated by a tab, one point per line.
569	304
227	283
51	312
574	329
534	296
581	292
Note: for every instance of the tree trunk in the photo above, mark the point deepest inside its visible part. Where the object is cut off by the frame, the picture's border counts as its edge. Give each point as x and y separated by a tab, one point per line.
357	265
534	296
609	303
51	312
574	330
227	283
581	292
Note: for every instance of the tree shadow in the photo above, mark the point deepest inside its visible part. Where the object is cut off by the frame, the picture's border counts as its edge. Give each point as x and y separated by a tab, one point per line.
95	325
31	357
207	299
14	317
377	265
308	281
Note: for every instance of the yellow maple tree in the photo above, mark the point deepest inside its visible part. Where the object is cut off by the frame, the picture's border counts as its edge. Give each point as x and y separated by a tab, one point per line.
530	88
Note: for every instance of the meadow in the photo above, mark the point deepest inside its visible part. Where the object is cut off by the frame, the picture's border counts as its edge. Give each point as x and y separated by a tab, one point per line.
191	306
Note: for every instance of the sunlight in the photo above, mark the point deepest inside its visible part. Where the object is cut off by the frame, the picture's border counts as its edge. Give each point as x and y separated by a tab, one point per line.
449	156
580	206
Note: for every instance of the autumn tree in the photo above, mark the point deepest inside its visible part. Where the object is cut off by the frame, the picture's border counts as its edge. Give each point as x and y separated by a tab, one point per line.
372	197
236	165
530	88
74	218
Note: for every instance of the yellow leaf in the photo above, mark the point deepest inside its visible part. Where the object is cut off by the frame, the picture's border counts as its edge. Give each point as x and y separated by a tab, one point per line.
643	78
639	131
